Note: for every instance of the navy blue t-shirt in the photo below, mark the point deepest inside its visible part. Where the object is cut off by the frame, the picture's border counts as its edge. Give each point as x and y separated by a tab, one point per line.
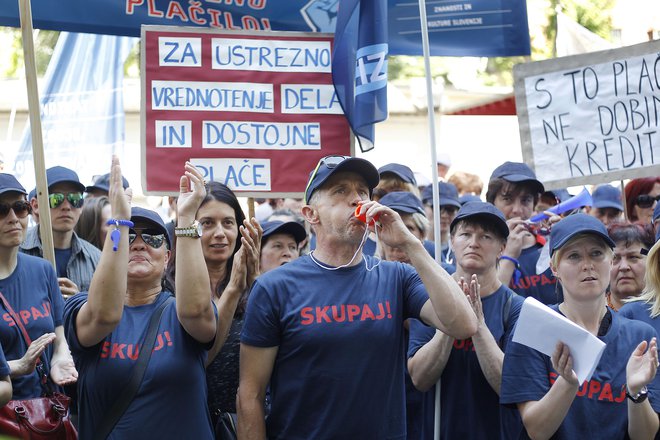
543	287
466	396
600	409
339	370
4	366
641	311
171	401
33	293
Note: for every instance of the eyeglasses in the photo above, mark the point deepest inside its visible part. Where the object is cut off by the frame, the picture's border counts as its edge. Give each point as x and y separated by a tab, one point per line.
645	200
20	207
75	199
330	162
153	238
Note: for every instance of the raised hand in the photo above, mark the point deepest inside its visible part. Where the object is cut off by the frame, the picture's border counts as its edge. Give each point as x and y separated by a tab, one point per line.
63	371
472	291
191	192
251	240
642	366
120	199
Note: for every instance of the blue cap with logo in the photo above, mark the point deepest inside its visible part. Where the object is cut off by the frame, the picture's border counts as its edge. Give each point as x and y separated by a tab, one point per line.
517	172
403	201
103	183
146	215
483	210
333	164
447	192
607	196
575	224
295	229
401	171
9	183
59	174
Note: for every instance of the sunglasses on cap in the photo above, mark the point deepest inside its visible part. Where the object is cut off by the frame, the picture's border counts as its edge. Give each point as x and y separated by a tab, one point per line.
75	199
152	237
330	162
20	207
646	201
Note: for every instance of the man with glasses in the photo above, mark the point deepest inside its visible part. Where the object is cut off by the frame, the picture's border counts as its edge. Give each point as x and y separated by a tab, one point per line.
76	259
326	330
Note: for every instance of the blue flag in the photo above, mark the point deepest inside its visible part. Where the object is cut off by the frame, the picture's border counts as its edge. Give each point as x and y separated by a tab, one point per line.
82	110
359	65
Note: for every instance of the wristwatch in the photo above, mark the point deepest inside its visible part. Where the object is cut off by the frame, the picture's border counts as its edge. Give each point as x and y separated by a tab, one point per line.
193	231
639	397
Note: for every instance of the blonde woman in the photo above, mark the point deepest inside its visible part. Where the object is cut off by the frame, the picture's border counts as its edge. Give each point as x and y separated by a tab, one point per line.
615	402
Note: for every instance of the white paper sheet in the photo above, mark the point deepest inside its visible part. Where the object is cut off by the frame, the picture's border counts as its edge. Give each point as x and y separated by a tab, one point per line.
541	328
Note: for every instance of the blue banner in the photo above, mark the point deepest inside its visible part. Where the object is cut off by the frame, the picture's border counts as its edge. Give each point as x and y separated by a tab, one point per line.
456	28
359	66
82	110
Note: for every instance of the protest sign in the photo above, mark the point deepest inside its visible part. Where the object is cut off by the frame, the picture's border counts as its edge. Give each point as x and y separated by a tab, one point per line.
255	111
591	118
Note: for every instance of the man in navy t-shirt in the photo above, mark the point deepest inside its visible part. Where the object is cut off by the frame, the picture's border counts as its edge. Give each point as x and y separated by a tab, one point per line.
471	369
326	331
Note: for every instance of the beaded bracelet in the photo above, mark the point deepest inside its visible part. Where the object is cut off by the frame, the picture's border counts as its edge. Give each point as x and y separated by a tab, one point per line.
115	235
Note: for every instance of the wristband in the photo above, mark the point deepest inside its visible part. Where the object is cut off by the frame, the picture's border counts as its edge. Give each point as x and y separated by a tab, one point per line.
115	235
516	273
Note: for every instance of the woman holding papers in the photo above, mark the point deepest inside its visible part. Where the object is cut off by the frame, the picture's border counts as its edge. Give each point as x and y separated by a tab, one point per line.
614	402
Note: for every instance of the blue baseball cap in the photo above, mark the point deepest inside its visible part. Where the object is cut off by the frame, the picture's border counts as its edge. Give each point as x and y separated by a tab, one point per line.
103	183
465	198
295	229
575	224
401	171
403	201
607	196
517	172
485	211
146	215
560	194
333	164
58	174
8	183
33	194
447	192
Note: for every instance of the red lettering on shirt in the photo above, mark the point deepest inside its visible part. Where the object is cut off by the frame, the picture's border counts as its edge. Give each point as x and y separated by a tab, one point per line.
169	340
105	349
545	280
534	279
464	344
595	389
307	316
132	352
345	313
36	314
117	351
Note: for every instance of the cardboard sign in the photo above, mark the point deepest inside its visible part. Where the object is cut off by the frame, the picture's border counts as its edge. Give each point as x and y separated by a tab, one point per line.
591	118
255	111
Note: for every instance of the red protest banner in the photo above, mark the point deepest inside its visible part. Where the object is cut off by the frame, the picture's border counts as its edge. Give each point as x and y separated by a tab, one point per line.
255	111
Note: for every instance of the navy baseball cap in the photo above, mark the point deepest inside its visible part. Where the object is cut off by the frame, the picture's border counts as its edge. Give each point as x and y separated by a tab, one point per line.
447	192
295	229
401	171
465	198
575	224
33	194
103	183
332	164
146	215
517	172
58	174
403	201
560	194
483	210
607	196
8	183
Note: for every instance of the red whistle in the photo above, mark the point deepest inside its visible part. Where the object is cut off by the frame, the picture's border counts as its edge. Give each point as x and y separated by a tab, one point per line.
363	217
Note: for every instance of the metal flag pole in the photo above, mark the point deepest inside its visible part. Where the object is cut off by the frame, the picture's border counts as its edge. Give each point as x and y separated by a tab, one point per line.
434	174
45	228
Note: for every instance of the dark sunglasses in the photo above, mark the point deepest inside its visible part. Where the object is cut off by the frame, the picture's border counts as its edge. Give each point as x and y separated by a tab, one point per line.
645	200
328	161
153	238
75	199
21	208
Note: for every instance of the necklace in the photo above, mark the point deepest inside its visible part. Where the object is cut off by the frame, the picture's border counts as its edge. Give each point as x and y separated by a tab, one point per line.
609	302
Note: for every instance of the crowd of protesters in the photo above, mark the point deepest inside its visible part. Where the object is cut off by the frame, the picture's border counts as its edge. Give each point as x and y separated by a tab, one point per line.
332	317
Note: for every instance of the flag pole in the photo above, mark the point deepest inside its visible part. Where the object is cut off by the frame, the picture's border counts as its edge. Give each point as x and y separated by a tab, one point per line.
434	174
34	108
